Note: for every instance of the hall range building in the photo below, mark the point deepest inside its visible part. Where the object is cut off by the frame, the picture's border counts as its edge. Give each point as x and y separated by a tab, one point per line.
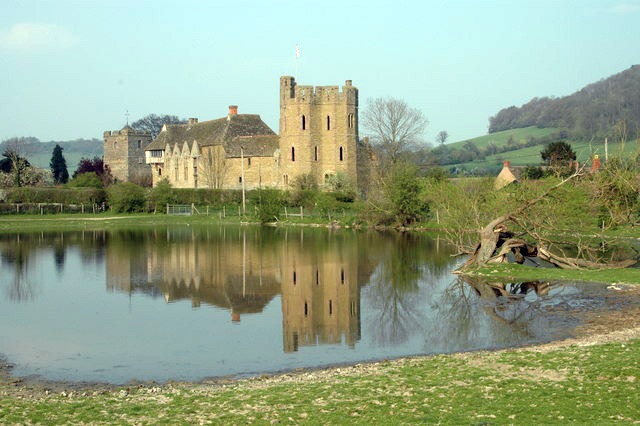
318	136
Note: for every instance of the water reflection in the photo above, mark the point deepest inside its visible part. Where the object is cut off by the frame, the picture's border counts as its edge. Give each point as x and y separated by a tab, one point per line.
231	300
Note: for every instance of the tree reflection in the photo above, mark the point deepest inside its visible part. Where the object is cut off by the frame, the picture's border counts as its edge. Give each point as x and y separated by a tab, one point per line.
395	286
21	287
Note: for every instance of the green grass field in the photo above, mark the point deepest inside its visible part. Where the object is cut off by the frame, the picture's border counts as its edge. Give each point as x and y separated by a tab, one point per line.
531	155
501	138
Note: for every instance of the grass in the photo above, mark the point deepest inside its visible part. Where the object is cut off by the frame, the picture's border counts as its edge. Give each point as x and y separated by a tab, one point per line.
519	273
595	384
501	138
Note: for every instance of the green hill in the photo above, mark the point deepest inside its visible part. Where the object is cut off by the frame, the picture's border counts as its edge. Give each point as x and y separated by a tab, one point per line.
502	138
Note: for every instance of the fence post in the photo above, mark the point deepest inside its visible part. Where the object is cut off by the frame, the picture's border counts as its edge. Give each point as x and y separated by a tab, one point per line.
17	208
301	213
224	210
286	216
82	208
167	208
239	211
193	207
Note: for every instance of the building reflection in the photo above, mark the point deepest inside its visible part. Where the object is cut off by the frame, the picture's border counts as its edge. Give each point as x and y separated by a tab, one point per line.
318	276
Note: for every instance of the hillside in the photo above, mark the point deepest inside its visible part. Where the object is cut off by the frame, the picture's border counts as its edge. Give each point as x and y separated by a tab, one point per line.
39	153
608	108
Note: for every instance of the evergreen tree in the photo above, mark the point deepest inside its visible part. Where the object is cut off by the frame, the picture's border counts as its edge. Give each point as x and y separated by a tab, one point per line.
58	166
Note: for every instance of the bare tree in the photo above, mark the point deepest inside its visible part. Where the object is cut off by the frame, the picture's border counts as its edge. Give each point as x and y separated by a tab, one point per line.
213	166
393	127
442	137
153	123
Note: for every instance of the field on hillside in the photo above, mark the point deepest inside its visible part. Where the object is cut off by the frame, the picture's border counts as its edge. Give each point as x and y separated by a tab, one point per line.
531	155
73	158
501	138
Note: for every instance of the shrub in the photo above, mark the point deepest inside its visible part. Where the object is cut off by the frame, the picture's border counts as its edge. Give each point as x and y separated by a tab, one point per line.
85	180
55	195
126	197
161	195
269	203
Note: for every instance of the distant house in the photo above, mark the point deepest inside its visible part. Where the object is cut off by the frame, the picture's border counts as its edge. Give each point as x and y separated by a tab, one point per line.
505	177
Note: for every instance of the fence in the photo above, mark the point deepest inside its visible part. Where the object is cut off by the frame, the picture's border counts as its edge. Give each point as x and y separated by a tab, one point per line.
49	208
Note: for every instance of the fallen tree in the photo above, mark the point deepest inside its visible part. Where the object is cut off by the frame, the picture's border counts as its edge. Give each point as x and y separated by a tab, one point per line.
498	244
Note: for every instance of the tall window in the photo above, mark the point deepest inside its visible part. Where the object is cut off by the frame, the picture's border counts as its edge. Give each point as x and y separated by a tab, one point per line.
293	154
139	144
341	154
315	153
328	122
350	121
304	122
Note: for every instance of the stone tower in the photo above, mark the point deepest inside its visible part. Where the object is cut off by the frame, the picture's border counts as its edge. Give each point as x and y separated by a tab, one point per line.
318	131
124	154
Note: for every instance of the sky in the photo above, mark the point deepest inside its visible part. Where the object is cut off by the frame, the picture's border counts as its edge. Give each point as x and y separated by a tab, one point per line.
72	69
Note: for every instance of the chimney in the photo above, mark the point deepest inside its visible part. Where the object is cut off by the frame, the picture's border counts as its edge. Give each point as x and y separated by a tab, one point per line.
233	109
193	121
595	164
506	163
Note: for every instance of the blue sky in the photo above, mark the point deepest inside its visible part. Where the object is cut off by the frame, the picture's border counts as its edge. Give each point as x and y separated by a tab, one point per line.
72	68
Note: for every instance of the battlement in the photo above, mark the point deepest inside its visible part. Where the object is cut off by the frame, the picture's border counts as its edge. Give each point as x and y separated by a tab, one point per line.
291	91
125	131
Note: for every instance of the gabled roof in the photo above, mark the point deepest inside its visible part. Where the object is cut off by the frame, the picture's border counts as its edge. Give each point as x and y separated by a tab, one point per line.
231	132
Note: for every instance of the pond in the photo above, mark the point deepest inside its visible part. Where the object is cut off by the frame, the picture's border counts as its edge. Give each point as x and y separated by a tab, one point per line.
188	303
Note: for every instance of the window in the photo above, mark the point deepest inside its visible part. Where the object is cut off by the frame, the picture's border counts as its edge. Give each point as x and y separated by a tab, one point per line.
285	179
139	144
341	154
115	145
315	153
248	161
330	307
328	123
350	121
159	171
293	154
156	153
186	172
139	160
240	179
294	278
342	276
304	123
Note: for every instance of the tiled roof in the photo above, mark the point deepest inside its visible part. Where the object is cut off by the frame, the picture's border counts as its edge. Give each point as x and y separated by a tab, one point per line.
231	131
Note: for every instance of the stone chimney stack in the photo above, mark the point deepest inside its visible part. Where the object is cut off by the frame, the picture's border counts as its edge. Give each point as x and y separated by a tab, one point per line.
233	109
506	163
348	83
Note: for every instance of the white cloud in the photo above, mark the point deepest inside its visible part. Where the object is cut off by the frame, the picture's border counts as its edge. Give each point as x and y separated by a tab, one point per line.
30	36
626	8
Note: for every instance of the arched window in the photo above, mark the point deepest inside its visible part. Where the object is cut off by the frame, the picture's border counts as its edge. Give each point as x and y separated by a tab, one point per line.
293	154
159	171
139	144
304	123
328	122
315	153
330	307
341	154
350	121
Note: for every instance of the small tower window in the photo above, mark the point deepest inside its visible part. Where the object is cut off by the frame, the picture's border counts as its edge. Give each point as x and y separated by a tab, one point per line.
328	122
115	145
350	121
304	123
315	153
139	144
293	154
240	179
159	171
341	154
285	179
330	307
248	161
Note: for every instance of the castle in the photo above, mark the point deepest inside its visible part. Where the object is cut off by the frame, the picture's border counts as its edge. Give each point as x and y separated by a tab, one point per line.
318	136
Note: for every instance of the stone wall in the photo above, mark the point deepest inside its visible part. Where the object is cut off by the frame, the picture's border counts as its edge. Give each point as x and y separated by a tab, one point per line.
125	156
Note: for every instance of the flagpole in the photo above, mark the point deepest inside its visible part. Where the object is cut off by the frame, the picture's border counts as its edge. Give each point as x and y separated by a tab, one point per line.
297	57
